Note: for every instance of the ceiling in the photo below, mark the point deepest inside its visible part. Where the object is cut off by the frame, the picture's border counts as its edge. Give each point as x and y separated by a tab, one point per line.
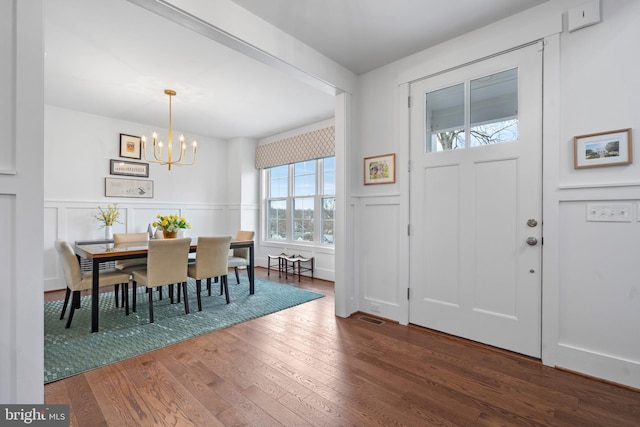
114	59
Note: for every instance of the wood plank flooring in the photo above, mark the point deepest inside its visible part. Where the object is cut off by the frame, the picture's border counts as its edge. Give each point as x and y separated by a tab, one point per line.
306	367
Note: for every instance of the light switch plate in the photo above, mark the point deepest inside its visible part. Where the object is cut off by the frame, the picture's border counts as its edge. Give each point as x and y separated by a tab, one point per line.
609	212
584	15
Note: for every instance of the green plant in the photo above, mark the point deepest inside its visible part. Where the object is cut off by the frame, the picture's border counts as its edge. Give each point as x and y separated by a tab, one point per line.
108	216
171	222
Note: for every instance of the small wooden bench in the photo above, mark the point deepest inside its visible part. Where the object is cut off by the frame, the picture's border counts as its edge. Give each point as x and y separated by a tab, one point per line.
280	262
288	263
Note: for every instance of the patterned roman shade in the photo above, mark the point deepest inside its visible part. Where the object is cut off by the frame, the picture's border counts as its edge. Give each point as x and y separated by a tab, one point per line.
306	146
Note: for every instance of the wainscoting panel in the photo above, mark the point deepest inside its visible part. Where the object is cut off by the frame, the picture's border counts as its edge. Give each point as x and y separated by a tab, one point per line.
51	264
599	292
7	288
206	221
378	246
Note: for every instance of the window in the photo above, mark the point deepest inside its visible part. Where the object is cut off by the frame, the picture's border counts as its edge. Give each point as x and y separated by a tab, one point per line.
300	202
492	107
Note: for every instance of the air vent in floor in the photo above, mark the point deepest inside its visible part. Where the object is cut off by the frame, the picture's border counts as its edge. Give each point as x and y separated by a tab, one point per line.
371	320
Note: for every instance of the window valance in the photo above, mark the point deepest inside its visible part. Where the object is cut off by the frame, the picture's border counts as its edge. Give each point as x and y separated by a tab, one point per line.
306	146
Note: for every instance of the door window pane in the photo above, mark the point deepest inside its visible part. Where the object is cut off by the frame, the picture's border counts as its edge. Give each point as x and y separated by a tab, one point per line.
303	219
494	108
445	119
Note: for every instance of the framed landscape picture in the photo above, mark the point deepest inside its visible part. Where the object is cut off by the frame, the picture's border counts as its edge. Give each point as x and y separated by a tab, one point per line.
602	149
380	169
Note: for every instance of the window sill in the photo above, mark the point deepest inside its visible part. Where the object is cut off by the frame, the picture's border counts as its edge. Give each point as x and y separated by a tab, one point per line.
309	247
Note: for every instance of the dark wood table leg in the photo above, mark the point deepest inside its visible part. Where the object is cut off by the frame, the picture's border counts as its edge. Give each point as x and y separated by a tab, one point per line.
250	271
95	295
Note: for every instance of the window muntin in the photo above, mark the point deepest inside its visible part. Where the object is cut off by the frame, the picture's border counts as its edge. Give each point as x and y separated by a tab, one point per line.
300	203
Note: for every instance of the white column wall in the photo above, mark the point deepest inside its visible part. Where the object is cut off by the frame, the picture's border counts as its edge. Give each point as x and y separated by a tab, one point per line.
243	186
21	189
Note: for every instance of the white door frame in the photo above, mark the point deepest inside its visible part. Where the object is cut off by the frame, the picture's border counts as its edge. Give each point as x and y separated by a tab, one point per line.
404	131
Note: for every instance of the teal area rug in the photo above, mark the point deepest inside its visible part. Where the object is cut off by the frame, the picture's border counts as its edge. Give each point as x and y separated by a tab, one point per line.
72	351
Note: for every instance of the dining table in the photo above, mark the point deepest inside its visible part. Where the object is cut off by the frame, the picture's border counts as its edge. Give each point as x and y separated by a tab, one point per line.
101	252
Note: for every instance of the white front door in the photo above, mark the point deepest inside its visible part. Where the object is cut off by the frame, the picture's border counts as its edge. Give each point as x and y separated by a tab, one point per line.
476	201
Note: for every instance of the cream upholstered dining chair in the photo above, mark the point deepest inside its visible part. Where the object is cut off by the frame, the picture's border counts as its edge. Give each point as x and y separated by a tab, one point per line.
167	261
128	265
78	281
240	256
211	261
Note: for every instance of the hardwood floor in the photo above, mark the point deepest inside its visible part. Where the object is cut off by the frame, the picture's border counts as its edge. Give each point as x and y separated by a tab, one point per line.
305	366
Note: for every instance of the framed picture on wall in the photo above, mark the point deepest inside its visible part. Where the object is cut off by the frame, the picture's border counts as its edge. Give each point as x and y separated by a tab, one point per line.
123	187
602	149
380	169
130	146
122	167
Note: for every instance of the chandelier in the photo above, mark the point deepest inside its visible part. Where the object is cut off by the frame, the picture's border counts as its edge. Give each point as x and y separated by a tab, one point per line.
157	145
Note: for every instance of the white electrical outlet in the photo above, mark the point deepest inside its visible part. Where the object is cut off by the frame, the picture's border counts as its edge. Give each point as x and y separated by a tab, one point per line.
609	212
375	308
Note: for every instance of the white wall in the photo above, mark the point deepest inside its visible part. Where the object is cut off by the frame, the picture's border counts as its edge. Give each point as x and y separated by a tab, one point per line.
591	292
78	147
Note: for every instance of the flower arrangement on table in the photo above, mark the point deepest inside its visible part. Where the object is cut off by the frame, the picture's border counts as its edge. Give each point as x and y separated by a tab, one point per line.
170	224
108	216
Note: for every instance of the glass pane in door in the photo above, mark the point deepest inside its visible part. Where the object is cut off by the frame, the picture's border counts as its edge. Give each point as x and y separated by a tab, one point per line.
494	108
445	119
